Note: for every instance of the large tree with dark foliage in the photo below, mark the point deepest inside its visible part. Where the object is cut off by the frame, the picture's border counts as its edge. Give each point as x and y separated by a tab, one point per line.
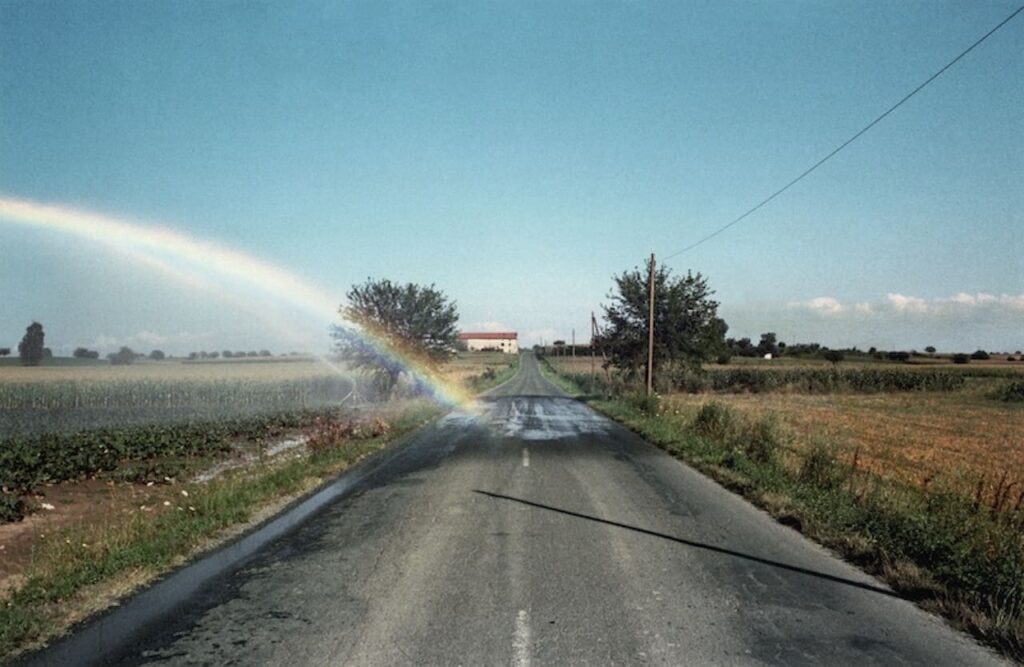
31	346
403	322
687	329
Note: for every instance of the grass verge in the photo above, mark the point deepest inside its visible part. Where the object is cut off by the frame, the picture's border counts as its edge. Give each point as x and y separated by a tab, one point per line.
493	376
83	570
952	552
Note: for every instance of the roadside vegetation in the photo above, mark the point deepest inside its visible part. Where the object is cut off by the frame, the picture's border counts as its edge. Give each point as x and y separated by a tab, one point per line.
907	463
83	569
113	472
943	531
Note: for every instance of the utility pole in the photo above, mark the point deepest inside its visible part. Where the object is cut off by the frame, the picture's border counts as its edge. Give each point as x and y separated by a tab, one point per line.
574	344
593	337
650	332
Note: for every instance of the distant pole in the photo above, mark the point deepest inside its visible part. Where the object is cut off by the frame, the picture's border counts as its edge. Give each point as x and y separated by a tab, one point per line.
574	344
650	332
593	337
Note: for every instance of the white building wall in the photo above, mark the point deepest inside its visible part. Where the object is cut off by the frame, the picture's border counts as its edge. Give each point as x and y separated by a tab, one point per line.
506	345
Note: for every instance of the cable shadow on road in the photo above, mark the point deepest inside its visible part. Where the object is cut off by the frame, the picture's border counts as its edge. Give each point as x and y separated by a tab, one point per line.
700	545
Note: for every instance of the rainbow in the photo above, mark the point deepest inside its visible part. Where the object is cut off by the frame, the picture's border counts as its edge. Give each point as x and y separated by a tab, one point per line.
172	251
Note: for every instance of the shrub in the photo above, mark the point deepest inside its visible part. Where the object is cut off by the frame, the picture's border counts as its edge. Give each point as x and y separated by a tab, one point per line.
716	421
12	508
1013	392
834	356
961	358
980	355
329	433
762	439
820	466
649	404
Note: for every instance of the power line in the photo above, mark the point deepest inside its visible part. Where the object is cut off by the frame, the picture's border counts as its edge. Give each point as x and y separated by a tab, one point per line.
849	141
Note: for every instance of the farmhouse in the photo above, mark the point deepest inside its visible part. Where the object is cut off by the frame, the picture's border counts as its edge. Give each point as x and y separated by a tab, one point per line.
504	341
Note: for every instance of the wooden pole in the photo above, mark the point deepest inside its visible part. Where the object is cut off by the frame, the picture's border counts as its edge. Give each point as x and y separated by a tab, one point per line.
574	344
650	331
593	361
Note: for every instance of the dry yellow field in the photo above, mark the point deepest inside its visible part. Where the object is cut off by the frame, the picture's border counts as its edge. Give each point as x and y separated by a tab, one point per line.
914	436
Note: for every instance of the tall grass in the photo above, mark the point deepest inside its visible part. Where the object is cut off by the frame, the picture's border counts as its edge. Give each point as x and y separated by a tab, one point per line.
952	545
953	550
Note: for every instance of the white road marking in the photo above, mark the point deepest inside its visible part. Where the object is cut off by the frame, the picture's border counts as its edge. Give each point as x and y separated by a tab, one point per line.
526	457
521	642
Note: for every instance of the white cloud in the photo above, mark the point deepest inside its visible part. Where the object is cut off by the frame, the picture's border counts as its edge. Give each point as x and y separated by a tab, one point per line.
906	304
894	302
826	305
1011	301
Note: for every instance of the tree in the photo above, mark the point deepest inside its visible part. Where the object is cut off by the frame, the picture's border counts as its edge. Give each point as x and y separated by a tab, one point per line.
30	349
930	349
980	355
768	345
834	356
412	320
157	355
122	357
4	351
687	329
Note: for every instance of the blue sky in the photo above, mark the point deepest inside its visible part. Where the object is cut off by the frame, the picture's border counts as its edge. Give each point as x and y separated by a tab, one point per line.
518	155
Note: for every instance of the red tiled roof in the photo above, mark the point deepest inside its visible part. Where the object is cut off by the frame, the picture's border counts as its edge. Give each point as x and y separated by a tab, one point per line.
490	335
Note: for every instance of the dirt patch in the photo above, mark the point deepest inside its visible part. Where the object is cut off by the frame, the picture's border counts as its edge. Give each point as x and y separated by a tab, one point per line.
74	504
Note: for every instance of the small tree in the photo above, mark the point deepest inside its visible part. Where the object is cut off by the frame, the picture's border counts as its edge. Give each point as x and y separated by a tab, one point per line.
30	349
980	355
687	329
768	344
4	351
157	355
410	320
930	349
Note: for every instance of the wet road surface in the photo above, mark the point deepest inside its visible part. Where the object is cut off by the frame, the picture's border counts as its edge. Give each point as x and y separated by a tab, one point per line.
531	530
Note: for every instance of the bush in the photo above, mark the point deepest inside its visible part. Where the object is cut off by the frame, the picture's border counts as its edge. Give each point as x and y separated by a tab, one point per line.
834	356
1013	392
980	355
649	404
12	508
330	432
716	421
961	358
820	467
762	439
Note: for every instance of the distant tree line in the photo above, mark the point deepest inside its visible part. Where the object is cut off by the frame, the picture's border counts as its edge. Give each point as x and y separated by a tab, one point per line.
228	354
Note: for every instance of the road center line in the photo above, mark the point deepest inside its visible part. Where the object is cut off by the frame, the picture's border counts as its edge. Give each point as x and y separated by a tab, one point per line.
526	457
521	642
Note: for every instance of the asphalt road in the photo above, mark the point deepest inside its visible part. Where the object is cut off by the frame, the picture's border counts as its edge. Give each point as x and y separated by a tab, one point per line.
532	530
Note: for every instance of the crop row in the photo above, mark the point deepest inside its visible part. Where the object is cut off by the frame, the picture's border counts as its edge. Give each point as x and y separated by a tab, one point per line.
28	462
819	380
173	393
796	379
